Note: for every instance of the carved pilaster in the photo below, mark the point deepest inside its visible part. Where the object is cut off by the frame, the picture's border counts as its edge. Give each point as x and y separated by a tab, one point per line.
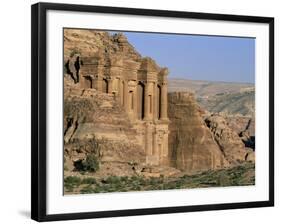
99	84
110	82
135	96
164	102
149	144
155	101
120	91
125	93
148	101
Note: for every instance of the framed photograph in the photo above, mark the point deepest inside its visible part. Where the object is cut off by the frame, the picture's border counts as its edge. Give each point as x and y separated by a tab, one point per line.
140	111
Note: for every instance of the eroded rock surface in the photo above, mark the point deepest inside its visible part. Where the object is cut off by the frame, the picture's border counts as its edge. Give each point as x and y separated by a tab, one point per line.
191	144
227	139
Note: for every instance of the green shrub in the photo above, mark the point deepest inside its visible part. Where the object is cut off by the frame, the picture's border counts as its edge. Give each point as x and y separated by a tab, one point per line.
87	190
153	181
71	181
89	180
97	190
136	188
90	164
124	179
113	180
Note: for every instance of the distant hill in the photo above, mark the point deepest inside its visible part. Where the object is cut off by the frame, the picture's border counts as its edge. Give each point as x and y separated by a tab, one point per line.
242	103
219	97
207	88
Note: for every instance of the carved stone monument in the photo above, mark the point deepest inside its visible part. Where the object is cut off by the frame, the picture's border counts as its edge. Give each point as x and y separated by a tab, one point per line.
140	86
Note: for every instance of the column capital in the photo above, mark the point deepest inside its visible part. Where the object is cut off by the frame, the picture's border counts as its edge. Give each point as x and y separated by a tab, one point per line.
145	82
132	83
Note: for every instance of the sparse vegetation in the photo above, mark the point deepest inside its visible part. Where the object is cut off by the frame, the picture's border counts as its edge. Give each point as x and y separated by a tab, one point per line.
237	176
87	190
92	148
90	164
89	180
71	182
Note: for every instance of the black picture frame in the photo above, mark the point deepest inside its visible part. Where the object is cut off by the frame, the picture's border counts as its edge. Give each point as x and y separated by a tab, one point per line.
38	109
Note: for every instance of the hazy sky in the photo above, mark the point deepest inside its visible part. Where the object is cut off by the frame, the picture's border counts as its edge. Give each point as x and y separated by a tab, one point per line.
197	57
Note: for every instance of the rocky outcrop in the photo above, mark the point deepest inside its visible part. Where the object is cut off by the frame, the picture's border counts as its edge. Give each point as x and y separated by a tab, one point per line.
244	127
87	42
191	145
228	140
241	123
195	144
79	45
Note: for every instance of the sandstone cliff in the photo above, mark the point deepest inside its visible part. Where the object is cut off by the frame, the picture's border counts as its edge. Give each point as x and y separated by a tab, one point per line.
191	144
196	144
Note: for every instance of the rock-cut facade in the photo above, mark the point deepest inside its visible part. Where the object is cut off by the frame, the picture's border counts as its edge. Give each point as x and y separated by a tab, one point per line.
140	86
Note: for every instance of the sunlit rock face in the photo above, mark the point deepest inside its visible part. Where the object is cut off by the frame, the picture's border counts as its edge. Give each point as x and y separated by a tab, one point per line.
191	144
231	144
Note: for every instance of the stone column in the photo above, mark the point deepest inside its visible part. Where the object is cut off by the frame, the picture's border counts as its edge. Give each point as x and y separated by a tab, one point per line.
135	99
165	141
125	93
147	103
99	78
148	144
165	150
155	102
120	92
164	102
155	148
110	81
99	84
